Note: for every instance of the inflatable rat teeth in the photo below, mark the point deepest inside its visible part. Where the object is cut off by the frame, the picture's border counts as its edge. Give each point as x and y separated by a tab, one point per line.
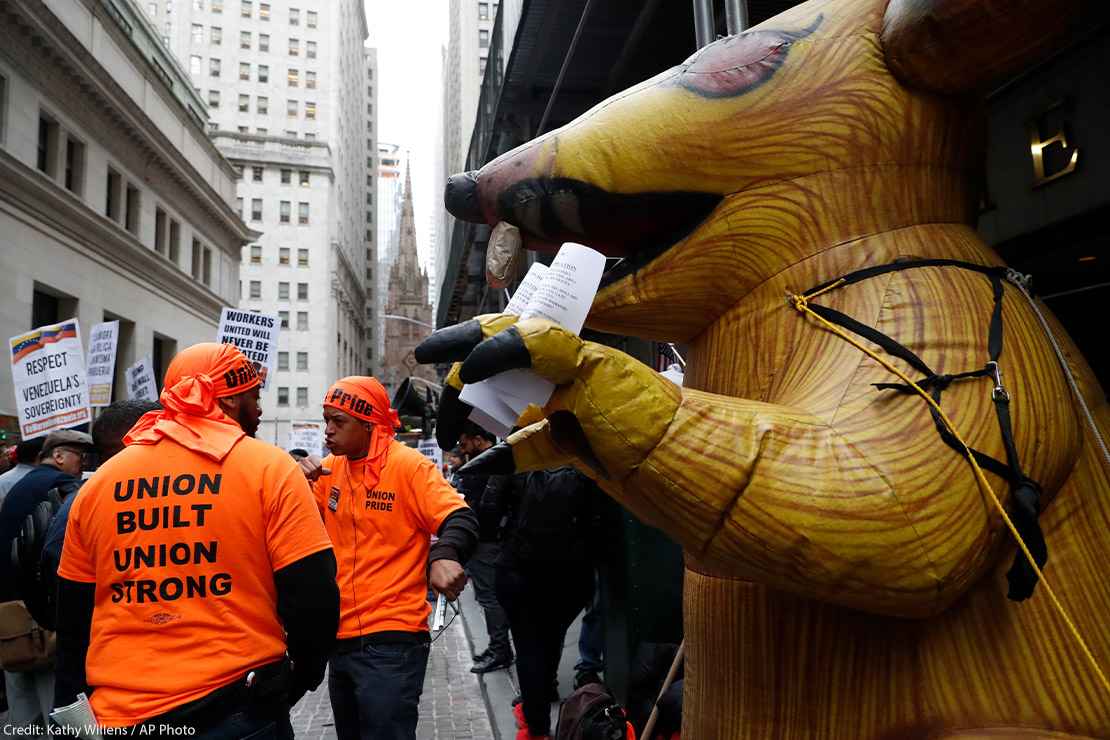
846	575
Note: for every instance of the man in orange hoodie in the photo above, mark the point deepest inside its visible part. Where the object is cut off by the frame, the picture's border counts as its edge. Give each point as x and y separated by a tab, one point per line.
381	502
197	582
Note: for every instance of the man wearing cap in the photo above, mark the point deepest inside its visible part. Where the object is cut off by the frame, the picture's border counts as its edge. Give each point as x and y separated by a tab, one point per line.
197	584
47	486
381	502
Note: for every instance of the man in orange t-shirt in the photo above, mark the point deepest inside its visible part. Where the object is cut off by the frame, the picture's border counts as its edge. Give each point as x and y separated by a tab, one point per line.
381	502
194	561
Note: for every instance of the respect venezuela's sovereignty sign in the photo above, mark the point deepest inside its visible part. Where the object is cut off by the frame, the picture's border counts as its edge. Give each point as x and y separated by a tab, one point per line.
48	372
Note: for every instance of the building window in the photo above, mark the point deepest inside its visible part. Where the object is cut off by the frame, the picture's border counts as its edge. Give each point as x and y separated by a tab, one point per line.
245	8
283	211
263	108
217	6
302	361
312	19
284	317
195	260
194	64
213	98
291	108
310	137
283	291
483	11
302	213
206	275
216	35
286	176
310	49
256	209
260	130
263	42
263	73
152	10
48	146
244	70
175	241
310	79
294	47
291	134
131	214
239	207
256	254
302	258
283	396
213	67
244	39
256	174
294	77
483	39
159	230
302	396
75	166
482	67
302	320
283	361
304	178
198	33
283	255
310	110
302	291
264	11
244	103
294	17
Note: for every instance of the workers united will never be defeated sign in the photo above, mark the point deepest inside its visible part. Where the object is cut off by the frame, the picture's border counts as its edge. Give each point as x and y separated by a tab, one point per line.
256	336
48	372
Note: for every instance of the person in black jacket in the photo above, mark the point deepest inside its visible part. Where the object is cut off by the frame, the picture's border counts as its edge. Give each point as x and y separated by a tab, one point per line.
486	496
545	577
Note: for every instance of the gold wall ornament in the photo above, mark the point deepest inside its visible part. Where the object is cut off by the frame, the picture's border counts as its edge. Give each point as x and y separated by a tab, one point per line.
1038	145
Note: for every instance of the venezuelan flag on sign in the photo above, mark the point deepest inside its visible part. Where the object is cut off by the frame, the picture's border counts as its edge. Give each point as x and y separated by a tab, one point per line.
36	340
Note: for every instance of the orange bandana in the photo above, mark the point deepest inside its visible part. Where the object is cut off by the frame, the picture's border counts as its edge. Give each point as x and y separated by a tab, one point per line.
190	415
365	398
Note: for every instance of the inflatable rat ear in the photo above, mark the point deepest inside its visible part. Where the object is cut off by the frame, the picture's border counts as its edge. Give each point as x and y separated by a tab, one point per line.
963	46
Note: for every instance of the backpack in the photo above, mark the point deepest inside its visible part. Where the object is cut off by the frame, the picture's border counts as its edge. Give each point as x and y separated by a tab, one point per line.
591	713
24	644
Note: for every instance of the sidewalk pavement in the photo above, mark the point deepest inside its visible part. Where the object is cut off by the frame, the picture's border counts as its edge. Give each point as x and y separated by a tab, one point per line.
499	687
451	707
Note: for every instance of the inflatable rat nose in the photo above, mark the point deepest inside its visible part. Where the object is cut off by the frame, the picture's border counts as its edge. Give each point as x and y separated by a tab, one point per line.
460	197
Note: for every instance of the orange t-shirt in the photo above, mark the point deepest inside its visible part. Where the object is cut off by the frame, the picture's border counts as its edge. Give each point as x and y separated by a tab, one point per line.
382	536
183	551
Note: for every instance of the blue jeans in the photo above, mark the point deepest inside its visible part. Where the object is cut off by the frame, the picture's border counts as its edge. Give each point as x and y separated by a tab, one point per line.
250	726
591	640
375	691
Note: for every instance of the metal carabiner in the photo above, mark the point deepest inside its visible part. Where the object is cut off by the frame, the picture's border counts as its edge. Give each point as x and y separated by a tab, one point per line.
999	393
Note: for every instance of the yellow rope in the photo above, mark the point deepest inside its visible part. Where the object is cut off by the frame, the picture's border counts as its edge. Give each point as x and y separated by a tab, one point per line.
801	303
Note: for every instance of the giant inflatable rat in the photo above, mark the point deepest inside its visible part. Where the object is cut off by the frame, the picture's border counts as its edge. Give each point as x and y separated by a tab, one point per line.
846	573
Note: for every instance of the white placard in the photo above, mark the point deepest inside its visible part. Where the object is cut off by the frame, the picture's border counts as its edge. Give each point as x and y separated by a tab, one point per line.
255	334
429	449
102	362
561	293
48	373
308	436
141	385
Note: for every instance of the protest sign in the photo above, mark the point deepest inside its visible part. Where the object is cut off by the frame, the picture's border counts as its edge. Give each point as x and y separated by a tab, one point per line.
102	362
141	385
255	334
430	449
48	373
308	436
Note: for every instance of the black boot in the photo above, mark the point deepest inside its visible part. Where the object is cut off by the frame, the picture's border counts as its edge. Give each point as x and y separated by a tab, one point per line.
494	662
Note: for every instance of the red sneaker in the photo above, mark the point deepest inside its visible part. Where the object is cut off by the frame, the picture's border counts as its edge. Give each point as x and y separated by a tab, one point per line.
518	715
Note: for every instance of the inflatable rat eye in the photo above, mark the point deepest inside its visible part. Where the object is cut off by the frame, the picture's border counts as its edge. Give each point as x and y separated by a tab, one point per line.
738	64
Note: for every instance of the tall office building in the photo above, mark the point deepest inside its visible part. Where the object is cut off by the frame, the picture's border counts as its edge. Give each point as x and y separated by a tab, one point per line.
392	161
471	28
114	204
286	84
374	335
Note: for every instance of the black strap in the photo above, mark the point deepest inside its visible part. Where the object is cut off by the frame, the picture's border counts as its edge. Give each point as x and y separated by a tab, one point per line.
1026	493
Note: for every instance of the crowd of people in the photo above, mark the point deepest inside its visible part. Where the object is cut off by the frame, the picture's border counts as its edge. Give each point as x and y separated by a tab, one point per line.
201	581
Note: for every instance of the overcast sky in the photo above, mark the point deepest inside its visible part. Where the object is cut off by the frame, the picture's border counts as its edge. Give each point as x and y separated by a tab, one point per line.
408	35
